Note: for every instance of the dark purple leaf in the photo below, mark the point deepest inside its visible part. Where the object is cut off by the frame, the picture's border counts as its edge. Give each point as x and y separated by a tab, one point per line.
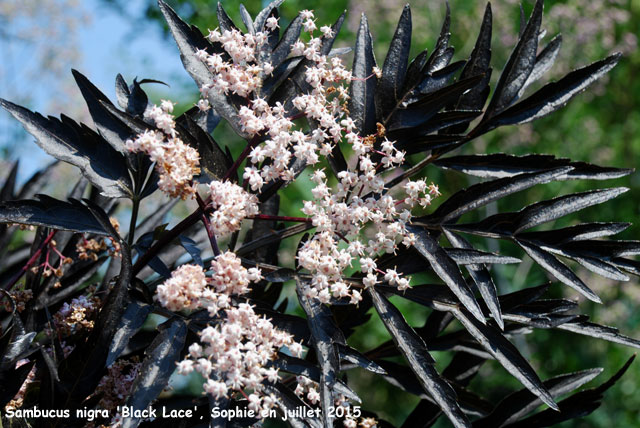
479	63
362	104
507	354
576	406
77	145
189	41
519	66
50	212
246	19
226	24
422	364
558	269
554	95
500	165
520	403
544	61
394	69
601	332
324	335
482	278
159	363
545	211
132	320
446	269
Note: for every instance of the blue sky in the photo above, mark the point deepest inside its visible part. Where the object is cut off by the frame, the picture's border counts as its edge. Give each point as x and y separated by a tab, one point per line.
109	42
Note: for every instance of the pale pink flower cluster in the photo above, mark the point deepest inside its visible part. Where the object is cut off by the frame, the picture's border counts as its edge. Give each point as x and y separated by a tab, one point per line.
176	162
231	205
341	213
184	289
234	353
243	75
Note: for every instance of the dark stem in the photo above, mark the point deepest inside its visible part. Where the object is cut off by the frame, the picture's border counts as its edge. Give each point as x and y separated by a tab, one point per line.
207	226
134	219
279	218
166	238
234	168
31	261
411	171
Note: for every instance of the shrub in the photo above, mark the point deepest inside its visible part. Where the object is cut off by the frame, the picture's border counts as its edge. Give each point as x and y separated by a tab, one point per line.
74	336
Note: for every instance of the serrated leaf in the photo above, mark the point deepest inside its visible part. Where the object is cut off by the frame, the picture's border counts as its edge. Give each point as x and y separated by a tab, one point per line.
79	146
446	269
603	249
481	194
441	53
226	24
600	267
415	70
479	63
482	278
520	403
507	224
545	211
19	342
420	111
112	129
323	333
507	354
246	19
422	364
355	357
519	66
470	256
554	95
159	363
500	165
578	405
601	332
544	61
132	320
558	269
50	212
394	69
579	232
214	163
362	101
435	81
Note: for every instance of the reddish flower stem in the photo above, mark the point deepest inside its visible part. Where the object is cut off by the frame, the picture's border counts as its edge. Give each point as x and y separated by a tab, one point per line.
165	239
279	218
31	261
207	225
234	168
